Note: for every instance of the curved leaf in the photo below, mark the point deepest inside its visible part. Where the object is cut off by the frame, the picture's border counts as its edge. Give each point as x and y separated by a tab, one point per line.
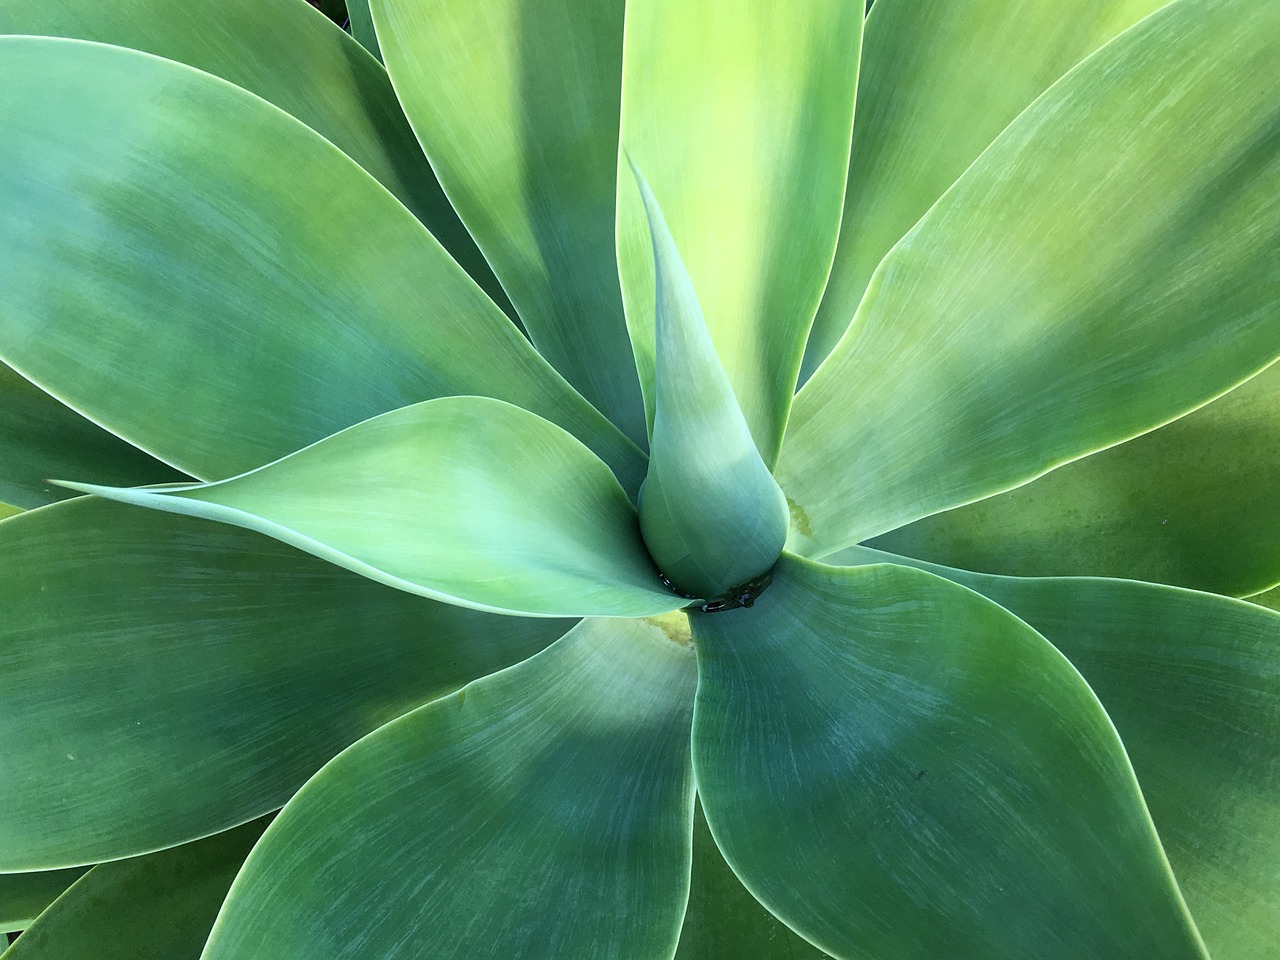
216	310
1268	598
289	57
23	896
1105	266
542	812
158	907
739	114
516	104
1195	503
42	438
946	784
166	678
712	516
940	80
425	499
724	920
361	20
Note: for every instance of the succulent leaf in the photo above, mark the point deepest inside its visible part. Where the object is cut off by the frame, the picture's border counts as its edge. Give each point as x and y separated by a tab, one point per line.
363	30
739	113
157	907
463	499
897	767
284	301
543	812
24	895
167	678
713	518
1195	503
940	80
516	104
1107	265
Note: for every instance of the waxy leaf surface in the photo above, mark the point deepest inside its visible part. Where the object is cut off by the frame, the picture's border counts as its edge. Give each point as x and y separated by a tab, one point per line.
462	499
217	311
897	767
167	677
1107	265
543	812
739	114
24	895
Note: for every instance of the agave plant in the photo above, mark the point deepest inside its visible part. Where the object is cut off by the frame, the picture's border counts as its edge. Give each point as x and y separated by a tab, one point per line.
614	505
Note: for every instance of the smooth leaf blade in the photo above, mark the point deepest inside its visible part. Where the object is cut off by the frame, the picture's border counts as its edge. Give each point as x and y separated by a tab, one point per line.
157	907
541	812
425	499
290	57
167	678
217	311
362	28
516	104
946	783
939	81
1106	266
713	518
740	115
1191	504
23	896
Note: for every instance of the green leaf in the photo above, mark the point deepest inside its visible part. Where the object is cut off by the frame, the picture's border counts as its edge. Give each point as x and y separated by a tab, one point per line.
1192	683
8	510
362	29
158	907
42	438
940	80
897	767
426	499
288	56
1268	598
1192	504
516	104
215	310
712	516
1105	266
739	114
724	920
167	678
23	896
541	812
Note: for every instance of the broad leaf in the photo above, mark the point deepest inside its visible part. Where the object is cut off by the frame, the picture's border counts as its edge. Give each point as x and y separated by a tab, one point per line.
1192	682
157	907
1193	503
543	812
516	104
462	499
1269	599
897	767
739	114
289	57
940	80
23	896
1105	266
361	20
9	510
166	678
712	516
217	311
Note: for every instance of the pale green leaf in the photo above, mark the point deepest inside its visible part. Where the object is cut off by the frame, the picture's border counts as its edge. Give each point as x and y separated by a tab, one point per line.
1192	683
216	310
166	678
940	80
42	438
1107	265
516	104
362	27
739	114
288	56
463	499
711	513
156	907
9	510
543	812
24	895
1195	503
897	767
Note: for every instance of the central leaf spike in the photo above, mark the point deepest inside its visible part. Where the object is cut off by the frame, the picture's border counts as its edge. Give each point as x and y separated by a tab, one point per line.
712	515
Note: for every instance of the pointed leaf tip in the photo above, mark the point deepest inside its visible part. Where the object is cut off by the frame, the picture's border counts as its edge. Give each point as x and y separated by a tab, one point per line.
711	514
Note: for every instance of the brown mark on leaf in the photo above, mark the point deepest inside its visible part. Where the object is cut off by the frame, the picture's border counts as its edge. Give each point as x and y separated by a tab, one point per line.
799	519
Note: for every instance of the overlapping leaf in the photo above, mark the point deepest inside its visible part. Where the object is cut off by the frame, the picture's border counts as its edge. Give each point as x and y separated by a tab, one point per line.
24	895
